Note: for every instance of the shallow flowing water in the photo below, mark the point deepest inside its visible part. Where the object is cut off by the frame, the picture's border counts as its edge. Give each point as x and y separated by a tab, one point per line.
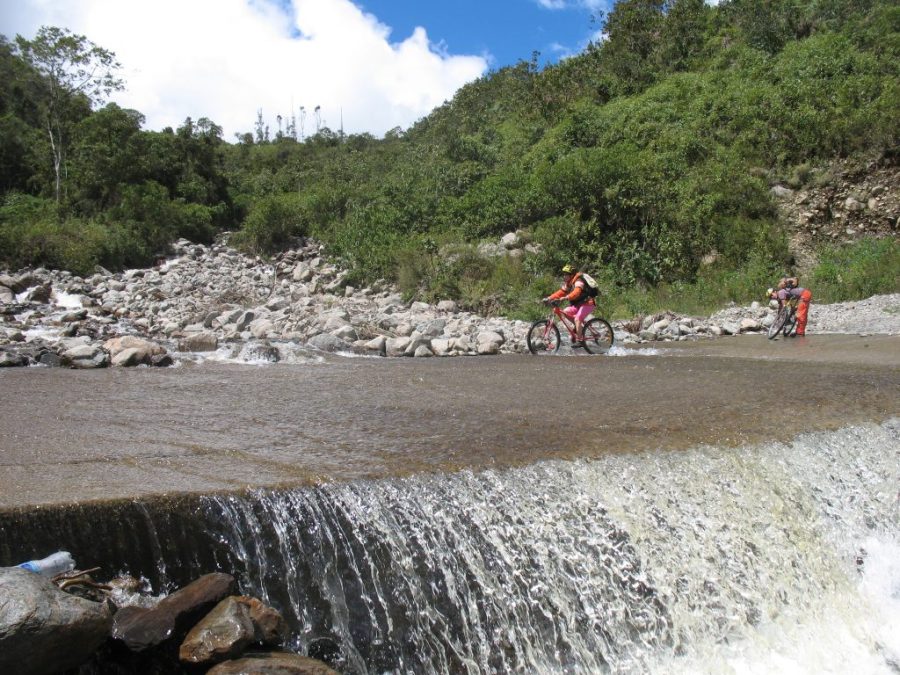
119	433
730	506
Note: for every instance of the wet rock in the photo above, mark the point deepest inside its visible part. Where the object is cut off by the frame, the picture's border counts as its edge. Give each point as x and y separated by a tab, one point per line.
269	625
11	359
7	281
43	629
139	351
272	663
232	625
71	317
162	360
199	342
328	343
40	294
85	357
730	328
50	359
222	634
377	344
396	346
262	351
139	628
262	328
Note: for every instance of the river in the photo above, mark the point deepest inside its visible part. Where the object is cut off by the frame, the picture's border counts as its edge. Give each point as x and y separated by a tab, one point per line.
719	506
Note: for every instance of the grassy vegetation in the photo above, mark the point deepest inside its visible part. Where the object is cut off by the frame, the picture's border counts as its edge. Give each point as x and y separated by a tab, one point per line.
868	267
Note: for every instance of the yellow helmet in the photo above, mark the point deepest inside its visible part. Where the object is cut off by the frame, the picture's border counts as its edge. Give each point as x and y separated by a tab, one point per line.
568	269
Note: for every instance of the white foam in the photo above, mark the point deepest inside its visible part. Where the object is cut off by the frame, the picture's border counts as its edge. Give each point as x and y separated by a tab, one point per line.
616	350
289	353
21	297
67	300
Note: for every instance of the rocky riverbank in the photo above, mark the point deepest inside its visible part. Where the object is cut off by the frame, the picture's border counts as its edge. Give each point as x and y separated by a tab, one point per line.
72	622
216	300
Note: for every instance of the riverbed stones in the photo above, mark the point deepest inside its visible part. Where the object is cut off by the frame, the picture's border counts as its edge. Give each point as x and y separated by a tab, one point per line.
211	296
139	628
43	629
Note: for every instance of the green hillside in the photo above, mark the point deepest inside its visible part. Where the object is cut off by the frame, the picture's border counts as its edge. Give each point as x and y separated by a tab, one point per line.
648	160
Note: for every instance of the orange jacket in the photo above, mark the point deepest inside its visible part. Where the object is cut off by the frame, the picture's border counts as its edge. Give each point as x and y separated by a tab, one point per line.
573	292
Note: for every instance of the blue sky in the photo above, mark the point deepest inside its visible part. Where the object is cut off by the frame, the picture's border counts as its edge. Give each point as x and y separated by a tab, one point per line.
372	65
507	30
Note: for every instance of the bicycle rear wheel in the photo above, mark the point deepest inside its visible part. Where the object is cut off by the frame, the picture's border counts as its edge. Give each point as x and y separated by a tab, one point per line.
598	336
543	338
790	323
778	323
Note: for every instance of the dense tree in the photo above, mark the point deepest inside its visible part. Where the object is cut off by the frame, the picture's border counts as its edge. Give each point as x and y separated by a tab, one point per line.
76	74
654	148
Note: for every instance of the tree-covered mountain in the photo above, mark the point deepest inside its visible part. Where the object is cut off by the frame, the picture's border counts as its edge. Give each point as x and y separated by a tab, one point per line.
647	159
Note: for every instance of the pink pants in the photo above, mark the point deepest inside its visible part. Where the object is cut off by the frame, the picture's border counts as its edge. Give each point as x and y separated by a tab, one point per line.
579	312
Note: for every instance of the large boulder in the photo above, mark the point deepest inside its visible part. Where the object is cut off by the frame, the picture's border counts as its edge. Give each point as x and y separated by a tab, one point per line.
11	359
199	342
44	629
488	342
139	628
132	351
328	343
232	625
85	356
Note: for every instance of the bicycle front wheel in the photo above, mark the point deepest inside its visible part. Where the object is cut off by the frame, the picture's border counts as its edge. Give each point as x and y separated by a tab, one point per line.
778	323
598	336
543	338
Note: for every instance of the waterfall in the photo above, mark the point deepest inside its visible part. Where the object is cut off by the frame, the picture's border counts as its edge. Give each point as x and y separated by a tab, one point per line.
707	559
778	557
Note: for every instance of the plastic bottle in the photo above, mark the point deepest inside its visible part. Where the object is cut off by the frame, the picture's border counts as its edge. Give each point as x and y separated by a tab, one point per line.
61	561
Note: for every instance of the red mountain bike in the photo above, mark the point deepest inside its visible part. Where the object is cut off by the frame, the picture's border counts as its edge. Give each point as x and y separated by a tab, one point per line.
786	319
544	336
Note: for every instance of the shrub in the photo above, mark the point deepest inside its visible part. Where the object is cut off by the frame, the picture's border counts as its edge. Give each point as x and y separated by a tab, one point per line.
860	270
32	234
272	222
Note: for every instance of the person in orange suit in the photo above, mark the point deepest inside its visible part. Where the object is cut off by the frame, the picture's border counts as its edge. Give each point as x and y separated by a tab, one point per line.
789	287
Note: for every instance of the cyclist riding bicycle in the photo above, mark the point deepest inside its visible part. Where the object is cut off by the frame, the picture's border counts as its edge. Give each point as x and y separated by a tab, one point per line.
789	287
581	303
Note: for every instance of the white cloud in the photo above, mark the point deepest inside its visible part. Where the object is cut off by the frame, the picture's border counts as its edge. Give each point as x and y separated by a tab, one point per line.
592	5
226	59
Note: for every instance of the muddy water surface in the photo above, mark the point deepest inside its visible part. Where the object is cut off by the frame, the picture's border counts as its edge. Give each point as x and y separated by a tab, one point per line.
70	436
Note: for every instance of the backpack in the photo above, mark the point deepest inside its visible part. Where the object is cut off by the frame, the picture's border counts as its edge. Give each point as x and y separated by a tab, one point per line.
591	288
